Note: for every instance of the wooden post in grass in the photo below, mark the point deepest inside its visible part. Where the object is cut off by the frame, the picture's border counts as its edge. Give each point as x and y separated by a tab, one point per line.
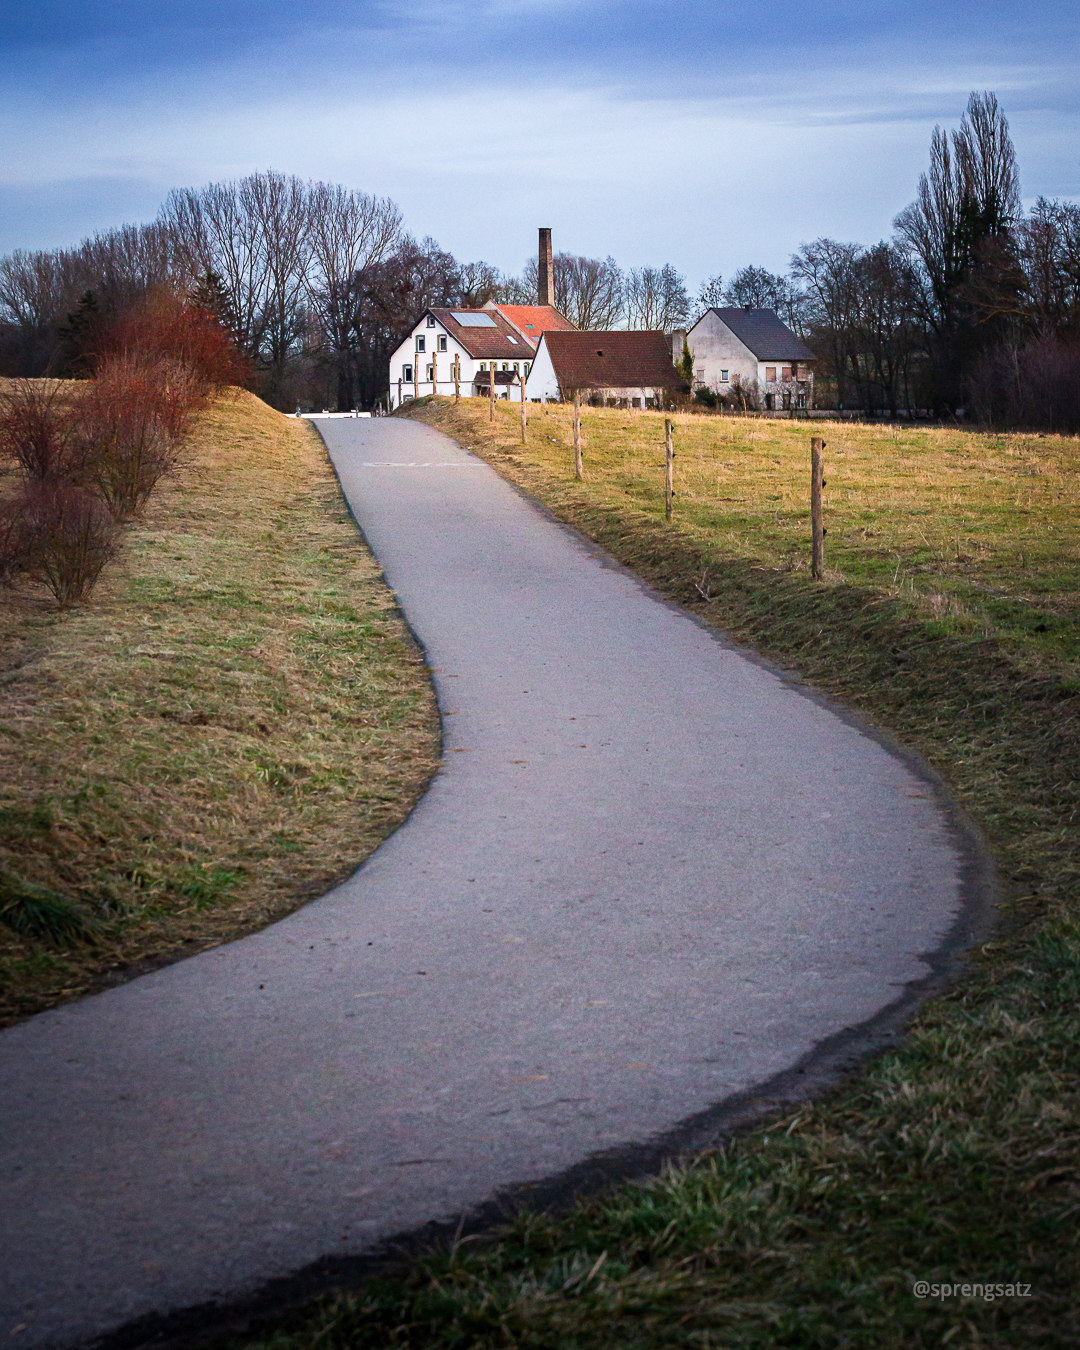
434	373
577	434
669	469
416	375
399	391
817	482
521	377
491	391
457	379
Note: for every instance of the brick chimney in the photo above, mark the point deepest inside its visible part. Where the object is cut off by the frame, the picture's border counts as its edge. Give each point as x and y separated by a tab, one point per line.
545	283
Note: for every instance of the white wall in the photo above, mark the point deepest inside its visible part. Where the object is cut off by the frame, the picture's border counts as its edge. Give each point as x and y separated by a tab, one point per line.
430	330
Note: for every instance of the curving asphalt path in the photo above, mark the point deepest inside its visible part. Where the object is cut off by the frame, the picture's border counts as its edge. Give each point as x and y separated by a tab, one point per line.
651	878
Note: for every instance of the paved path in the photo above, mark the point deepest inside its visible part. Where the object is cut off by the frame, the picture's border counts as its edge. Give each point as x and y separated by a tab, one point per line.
650	875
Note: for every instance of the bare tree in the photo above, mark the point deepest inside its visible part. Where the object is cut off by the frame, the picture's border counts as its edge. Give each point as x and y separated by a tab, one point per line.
710	296
969	196
350	232
656	299
589	291
829	272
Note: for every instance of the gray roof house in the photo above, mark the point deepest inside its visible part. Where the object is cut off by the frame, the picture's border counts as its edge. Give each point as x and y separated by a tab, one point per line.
752	355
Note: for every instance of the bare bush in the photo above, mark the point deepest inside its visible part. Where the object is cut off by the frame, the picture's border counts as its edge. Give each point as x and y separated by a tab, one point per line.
131	420
66	536
1036	386
37	430
12	540
165	325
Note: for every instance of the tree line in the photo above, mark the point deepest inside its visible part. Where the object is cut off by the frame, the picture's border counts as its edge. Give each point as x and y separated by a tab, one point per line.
972	303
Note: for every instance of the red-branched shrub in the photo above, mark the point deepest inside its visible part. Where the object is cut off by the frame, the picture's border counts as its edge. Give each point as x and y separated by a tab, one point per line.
66	536
12	540
37	429
171	327
131	419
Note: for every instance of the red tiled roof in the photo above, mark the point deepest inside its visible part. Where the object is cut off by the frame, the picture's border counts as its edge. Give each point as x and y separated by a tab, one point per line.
534	320
501	343
614	360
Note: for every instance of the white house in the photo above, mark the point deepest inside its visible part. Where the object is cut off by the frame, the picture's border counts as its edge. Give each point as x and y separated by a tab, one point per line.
469	343
753	351
633	369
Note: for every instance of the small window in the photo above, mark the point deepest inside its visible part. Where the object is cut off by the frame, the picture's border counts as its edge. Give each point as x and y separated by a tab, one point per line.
785	373
506	365
430	321
517	369
430	372
528	367
723	377
421	344
483	365
406	374
770	374
442	342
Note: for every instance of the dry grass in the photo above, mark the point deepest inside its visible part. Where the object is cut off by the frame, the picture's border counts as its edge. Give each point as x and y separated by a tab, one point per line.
231	725
982	528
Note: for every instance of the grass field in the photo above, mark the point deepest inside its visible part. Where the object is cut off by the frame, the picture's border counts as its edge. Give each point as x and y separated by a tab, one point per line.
948	616
230	725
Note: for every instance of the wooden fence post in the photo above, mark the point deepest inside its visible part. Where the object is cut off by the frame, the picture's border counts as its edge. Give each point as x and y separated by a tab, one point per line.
434	371
457	379
521	377
416	375
399	391
817	482
577	434
669	469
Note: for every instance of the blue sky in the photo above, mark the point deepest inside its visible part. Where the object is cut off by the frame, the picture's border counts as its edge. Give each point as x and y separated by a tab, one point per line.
707	135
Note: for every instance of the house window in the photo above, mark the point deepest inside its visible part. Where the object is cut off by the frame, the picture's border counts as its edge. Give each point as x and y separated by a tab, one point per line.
421	344
517	369
483	365
786	373
430	321
406	374
723	377
770	374
442	344
506	365
527	369
699	374
430	372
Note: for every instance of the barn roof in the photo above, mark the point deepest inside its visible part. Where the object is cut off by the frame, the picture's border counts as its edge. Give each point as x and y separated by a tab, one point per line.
612	360
534	320
766	335
497	340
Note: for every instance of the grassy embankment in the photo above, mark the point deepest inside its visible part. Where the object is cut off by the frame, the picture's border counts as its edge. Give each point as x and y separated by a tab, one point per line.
228	726
949	616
